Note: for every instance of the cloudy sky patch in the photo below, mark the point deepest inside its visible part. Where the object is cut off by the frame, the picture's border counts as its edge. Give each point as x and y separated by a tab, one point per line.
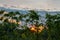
41	4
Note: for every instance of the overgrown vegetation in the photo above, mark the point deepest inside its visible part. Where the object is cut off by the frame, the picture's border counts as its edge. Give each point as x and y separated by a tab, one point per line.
12	28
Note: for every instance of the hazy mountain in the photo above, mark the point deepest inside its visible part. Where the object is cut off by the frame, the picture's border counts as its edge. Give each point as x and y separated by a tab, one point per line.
24	10
14	10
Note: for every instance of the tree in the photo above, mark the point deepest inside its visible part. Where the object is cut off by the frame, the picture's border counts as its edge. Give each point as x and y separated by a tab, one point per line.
53	22
2	11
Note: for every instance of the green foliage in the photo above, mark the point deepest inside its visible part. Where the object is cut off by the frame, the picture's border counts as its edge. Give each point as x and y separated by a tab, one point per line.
53	22
34	15
2	11
9	31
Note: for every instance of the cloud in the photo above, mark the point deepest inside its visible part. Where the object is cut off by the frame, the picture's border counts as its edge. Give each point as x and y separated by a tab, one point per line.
43	4
53	4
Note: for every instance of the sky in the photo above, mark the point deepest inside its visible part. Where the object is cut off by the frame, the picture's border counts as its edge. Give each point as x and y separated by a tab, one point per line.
38	4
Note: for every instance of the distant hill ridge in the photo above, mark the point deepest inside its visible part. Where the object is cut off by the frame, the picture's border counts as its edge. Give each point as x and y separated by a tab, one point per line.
26	10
